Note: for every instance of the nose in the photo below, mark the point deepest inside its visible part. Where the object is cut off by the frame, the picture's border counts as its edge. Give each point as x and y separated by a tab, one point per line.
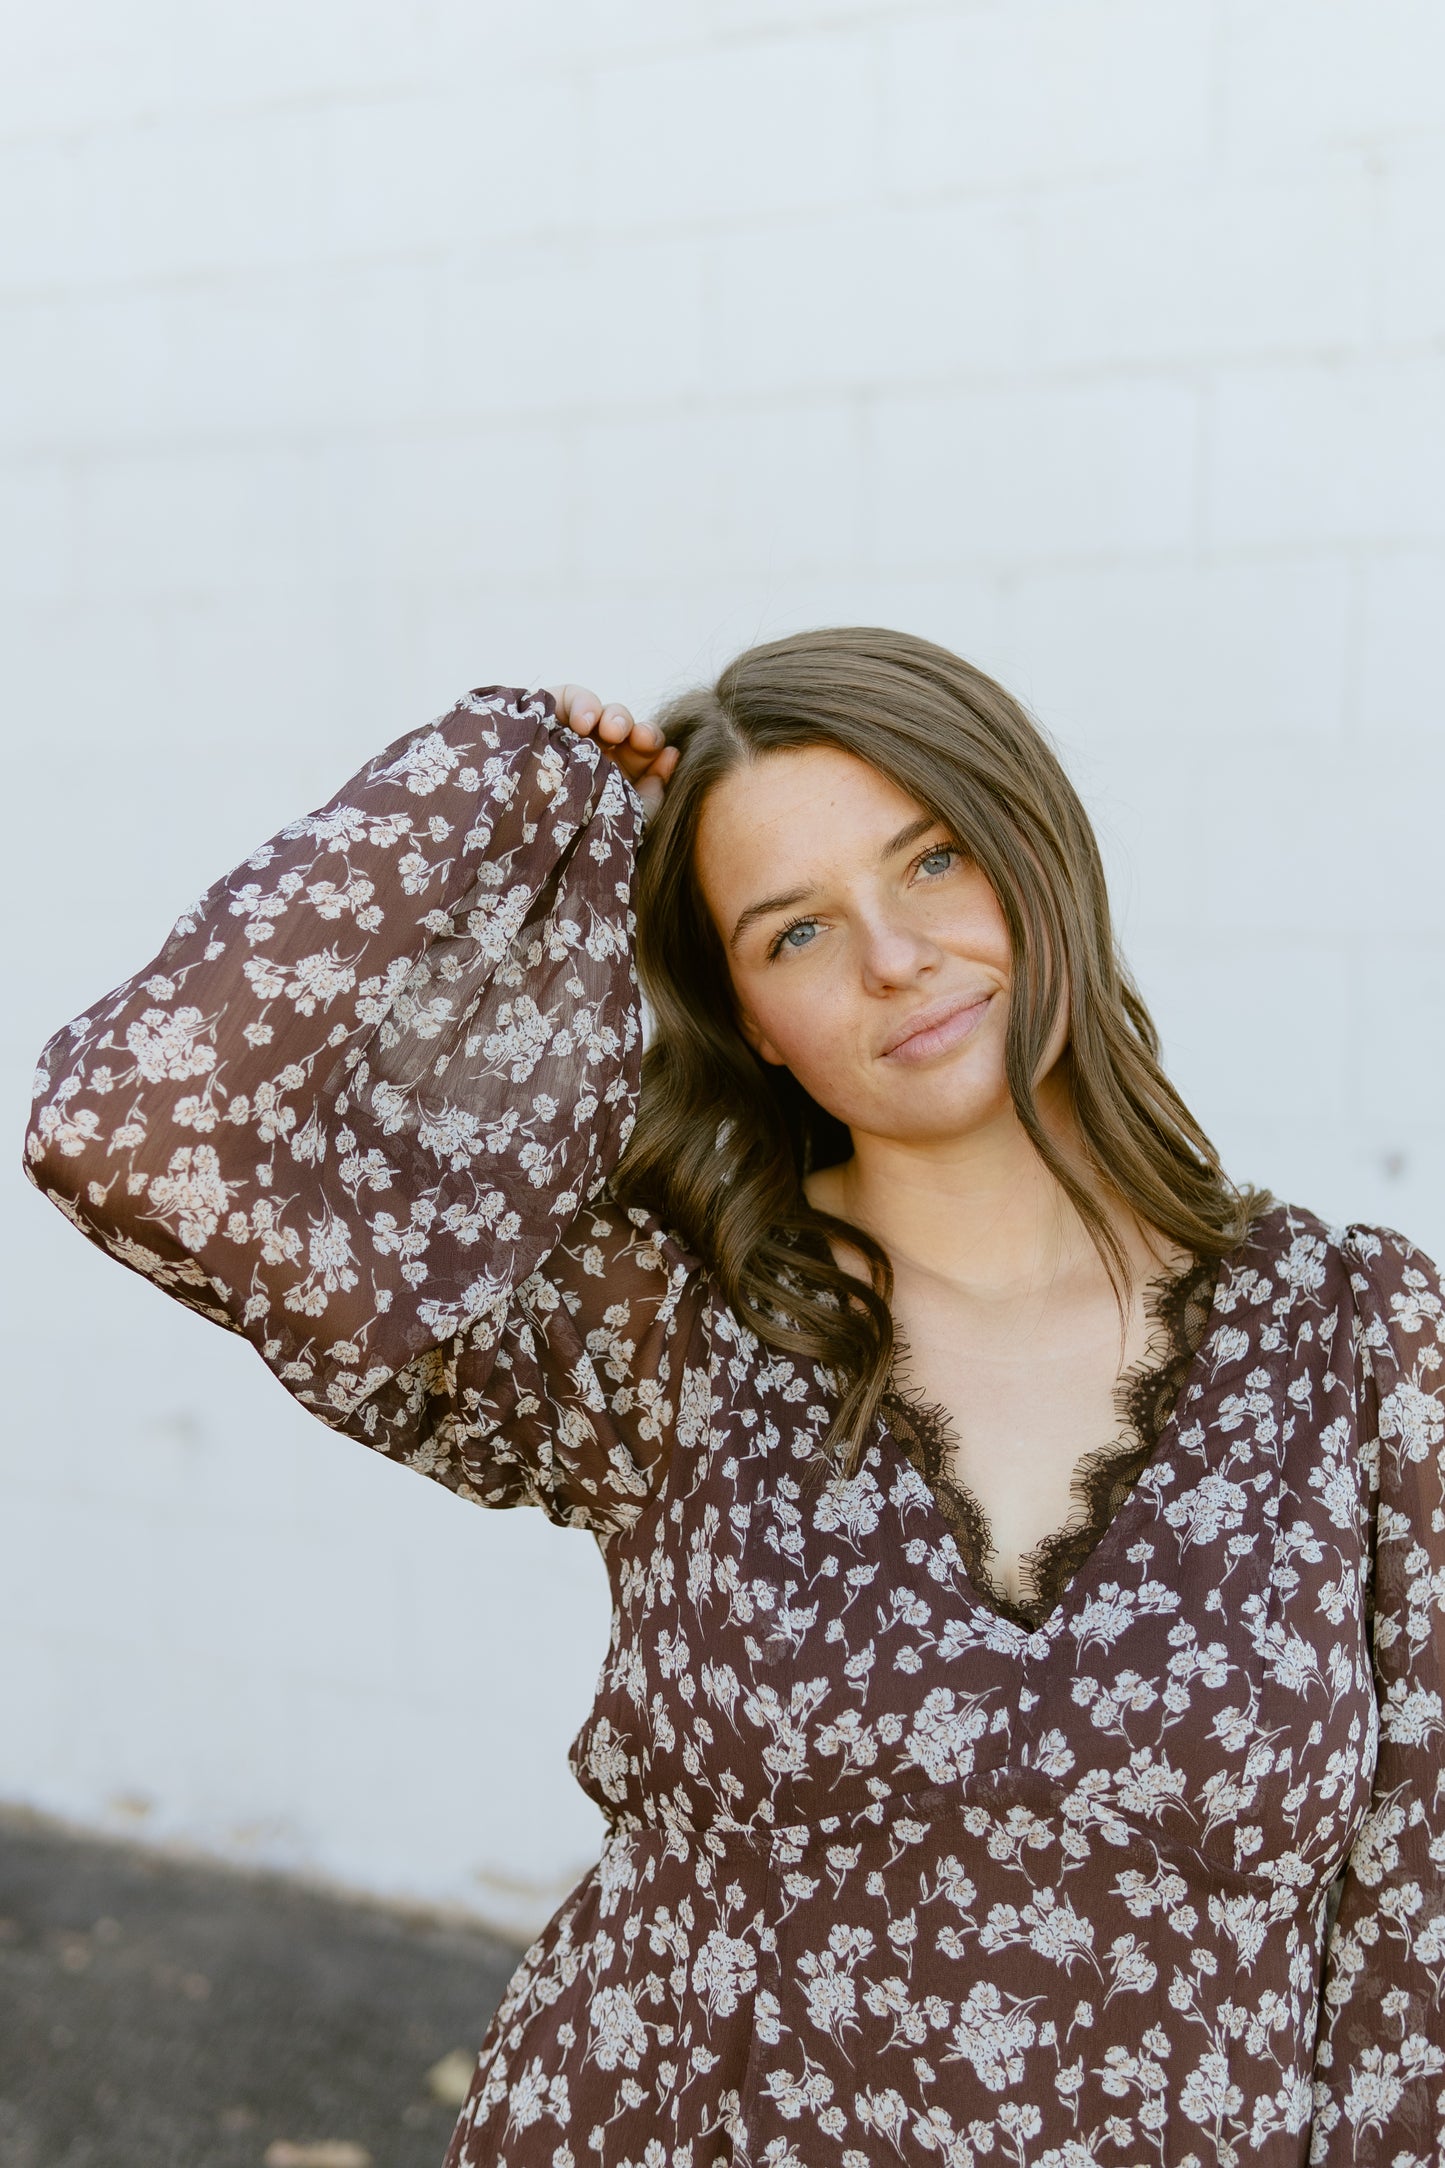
892	952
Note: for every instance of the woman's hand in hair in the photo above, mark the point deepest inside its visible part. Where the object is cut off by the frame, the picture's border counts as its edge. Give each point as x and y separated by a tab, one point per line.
636	747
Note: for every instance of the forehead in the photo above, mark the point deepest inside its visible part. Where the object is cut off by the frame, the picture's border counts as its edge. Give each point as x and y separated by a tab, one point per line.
788	818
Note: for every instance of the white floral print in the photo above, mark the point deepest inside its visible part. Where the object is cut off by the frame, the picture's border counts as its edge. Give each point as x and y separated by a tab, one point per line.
888	1875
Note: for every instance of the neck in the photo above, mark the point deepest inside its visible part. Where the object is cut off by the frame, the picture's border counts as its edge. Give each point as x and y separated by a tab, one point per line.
981	1211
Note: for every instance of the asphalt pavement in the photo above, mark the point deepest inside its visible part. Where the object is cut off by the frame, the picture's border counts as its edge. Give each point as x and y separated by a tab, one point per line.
155	2013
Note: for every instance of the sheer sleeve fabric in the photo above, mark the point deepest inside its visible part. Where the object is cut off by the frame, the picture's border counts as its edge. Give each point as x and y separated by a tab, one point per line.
1379	2083
372	1081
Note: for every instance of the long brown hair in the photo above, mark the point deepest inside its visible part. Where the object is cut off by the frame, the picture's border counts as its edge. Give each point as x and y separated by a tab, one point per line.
723	1140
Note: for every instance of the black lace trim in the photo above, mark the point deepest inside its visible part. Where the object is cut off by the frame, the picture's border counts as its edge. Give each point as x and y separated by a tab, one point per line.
1179	1305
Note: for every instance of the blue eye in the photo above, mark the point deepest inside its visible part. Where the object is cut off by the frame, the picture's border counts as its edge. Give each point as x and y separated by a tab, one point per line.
785	940
939	850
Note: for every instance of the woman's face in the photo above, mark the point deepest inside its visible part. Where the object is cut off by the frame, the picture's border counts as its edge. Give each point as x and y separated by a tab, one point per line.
868	953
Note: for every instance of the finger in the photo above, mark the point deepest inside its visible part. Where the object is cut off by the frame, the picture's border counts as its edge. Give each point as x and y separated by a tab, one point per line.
633	760
663	764
649	790
638	766
579	707
616	726
640	748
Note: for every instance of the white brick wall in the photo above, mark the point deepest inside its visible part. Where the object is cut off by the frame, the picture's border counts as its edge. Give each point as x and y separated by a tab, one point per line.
351	354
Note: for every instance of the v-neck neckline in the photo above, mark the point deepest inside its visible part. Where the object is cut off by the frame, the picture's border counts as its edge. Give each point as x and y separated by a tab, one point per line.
918	1412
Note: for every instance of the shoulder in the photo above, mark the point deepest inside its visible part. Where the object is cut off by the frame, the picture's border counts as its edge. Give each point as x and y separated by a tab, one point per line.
1378	1254
1380	1264
636	1229
1387	1289
1399	1299
1306	1252
625	1250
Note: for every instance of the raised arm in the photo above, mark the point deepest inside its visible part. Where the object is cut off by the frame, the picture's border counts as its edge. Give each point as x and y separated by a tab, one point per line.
1379	2081
373	1076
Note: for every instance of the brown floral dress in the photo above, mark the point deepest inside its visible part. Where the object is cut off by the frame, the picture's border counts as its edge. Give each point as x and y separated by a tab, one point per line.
1149	1869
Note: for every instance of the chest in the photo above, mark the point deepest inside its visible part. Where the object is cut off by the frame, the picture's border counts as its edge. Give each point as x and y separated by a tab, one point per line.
1026	1393
792	1650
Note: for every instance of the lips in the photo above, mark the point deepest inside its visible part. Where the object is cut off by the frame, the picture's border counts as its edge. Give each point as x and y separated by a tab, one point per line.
930	1018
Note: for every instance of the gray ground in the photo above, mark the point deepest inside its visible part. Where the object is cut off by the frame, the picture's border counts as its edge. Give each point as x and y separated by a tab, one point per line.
156	2014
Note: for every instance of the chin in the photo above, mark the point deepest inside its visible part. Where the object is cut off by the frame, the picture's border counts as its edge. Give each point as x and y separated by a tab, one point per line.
919	1118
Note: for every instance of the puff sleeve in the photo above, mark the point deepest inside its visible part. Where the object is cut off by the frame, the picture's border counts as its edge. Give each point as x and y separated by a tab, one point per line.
372	1083
1379	2079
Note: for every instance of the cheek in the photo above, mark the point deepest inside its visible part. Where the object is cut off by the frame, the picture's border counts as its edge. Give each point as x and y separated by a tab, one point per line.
966	918
804	1018
812	1027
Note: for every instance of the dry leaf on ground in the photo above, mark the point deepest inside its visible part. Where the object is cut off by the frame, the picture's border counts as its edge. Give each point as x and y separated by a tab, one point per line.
450	2080
318	2153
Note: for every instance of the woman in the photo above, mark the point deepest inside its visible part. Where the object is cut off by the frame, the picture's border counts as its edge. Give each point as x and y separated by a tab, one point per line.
1020	1736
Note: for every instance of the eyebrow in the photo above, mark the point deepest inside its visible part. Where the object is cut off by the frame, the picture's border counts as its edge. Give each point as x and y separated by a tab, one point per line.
769	904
